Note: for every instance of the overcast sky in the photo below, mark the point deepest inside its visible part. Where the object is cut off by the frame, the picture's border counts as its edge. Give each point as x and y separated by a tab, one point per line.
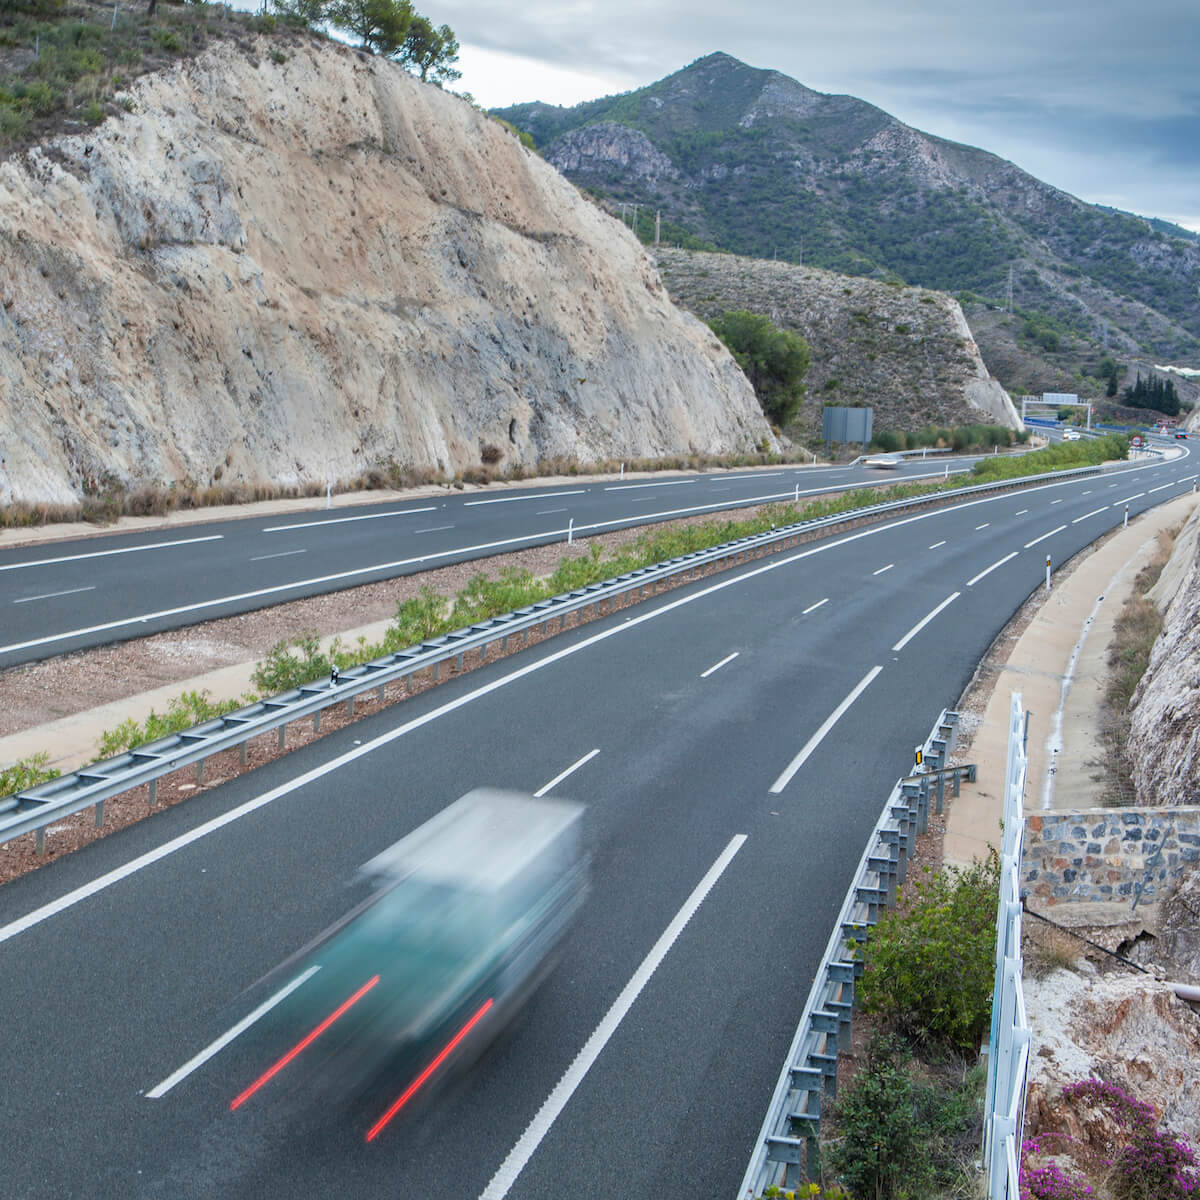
1101	99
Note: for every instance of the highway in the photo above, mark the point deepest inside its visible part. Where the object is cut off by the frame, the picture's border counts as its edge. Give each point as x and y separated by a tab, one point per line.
70	595
746	730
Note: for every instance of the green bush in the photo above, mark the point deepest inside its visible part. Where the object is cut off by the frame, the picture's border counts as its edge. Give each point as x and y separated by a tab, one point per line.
290	663
1084	453
26	773
930	963
184	711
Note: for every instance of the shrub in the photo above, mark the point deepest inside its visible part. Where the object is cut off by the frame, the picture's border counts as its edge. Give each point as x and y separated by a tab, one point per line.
491	454
291	663
26	773
930	962
184	711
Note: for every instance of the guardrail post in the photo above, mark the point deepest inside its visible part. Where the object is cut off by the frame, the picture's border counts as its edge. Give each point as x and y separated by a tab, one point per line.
349	706
317	721
154	790
282	737
242	752
200	773
40	841
100	815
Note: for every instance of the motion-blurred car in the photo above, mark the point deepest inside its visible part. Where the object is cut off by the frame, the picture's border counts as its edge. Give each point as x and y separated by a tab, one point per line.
462	924
888	462
1071	435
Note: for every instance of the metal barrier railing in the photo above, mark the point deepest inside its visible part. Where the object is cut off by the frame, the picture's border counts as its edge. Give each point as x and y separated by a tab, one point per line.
787	1150
33	809
1009	1040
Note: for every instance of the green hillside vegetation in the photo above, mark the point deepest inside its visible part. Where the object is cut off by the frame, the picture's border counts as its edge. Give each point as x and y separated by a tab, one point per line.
769	169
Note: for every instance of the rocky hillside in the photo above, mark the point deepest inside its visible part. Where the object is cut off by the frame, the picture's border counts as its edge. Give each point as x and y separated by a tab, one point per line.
290	266
905	351
753	162
1164	735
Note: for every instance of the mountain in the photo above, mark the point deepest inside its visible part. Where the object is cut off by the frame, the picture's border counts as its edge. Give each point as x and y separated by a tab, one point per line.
752	162
228	280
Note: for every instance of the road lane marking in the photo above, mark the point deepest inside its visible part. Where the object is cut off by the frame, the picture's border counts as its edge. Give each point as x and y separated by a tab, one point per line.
717	666
49	562
579	762
1136	496
433	529
1059	500
937	544
882	569
51	595
814	607
912	633
988	570
1023	511
817	738
398	512
1160	487
553	1105
627	487
280	554
160	1090
983	526
1029	545
1093	513
543	512
513	499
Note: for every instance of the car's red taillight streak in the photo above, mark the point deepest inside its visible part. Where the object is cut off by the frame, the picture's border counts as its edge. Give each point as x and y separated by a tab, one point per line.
301	1045
411	1090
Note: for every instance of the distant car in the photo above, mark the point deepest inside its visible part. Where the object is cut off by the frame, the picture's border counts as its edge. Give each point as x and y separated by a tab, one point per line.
1181	435
888	462
1072	435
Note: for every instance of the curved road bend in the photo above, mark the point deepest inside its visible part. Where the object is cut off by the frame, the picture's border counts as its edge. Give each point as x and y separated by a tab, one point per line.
729	805
71	595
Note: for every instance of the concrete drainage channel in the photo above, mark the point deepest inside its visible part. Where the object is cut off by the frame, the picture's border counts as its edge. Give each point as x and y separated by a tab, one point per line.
33	810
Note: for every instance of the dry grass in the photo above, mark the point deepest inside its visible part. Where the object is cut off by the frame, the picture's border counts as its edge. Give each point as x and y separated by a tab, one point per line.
1046	949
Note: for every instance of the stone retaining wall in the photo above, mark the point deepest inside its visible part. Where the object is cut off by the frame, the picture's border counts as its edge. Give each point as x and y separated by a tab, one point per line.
1107	853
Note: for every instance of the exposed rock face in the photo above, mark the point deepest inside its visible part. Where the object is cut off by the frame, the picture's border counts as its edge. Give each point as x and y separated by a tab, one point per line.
626	149
907	352
1128	1030
1164	735
294	271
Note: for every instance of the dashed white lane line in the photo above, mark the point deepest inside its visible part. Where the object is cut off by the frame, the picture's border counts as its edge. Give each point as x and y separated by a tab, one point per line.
983	526
579	762
1093	513
1021	512
558	1099
160	1090
814	607
433	529
988	570
629	487
1044	536
515	499
280	554
1135	496
1059	500
817	738
49	562
544	512
51	595
882	569
1160	488
912	633
937	544
717	666
397	512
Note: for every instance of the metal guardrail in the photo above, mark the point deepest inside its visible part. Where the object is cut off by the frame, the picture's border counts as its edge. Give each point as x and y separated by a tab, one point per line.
787	1149
1009	1040
32	810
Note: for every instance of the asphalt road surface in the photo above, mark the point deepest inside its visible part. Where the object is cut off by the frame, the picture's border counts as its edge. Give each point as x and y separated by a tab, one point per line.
746	731
71	595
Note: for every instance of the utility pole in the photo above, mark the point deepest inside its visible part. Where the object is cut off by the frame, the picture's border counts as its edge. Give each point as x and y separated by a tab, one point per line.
1008	301
657	227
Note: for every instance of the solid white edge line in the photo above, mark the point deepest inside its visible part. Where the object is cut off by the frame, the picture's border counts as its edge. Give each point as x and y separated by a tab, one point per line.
51	595
912	633
1093	513
988	570
814	607
717	666
1029	545
514	499
817	738
627	487
882	569
399	512
579	762
192	1064
49	562
553	1105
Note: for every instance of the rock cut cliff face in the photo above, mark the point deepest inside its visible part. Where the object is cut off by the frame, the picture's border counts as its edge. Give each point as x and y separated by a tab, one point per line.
293	271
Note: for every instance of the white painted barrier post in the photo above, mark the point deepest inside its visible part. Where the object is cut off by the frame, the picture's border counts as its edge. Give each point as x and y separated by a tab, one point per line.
1047	572
328	494
797	498
570	530
1126	522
